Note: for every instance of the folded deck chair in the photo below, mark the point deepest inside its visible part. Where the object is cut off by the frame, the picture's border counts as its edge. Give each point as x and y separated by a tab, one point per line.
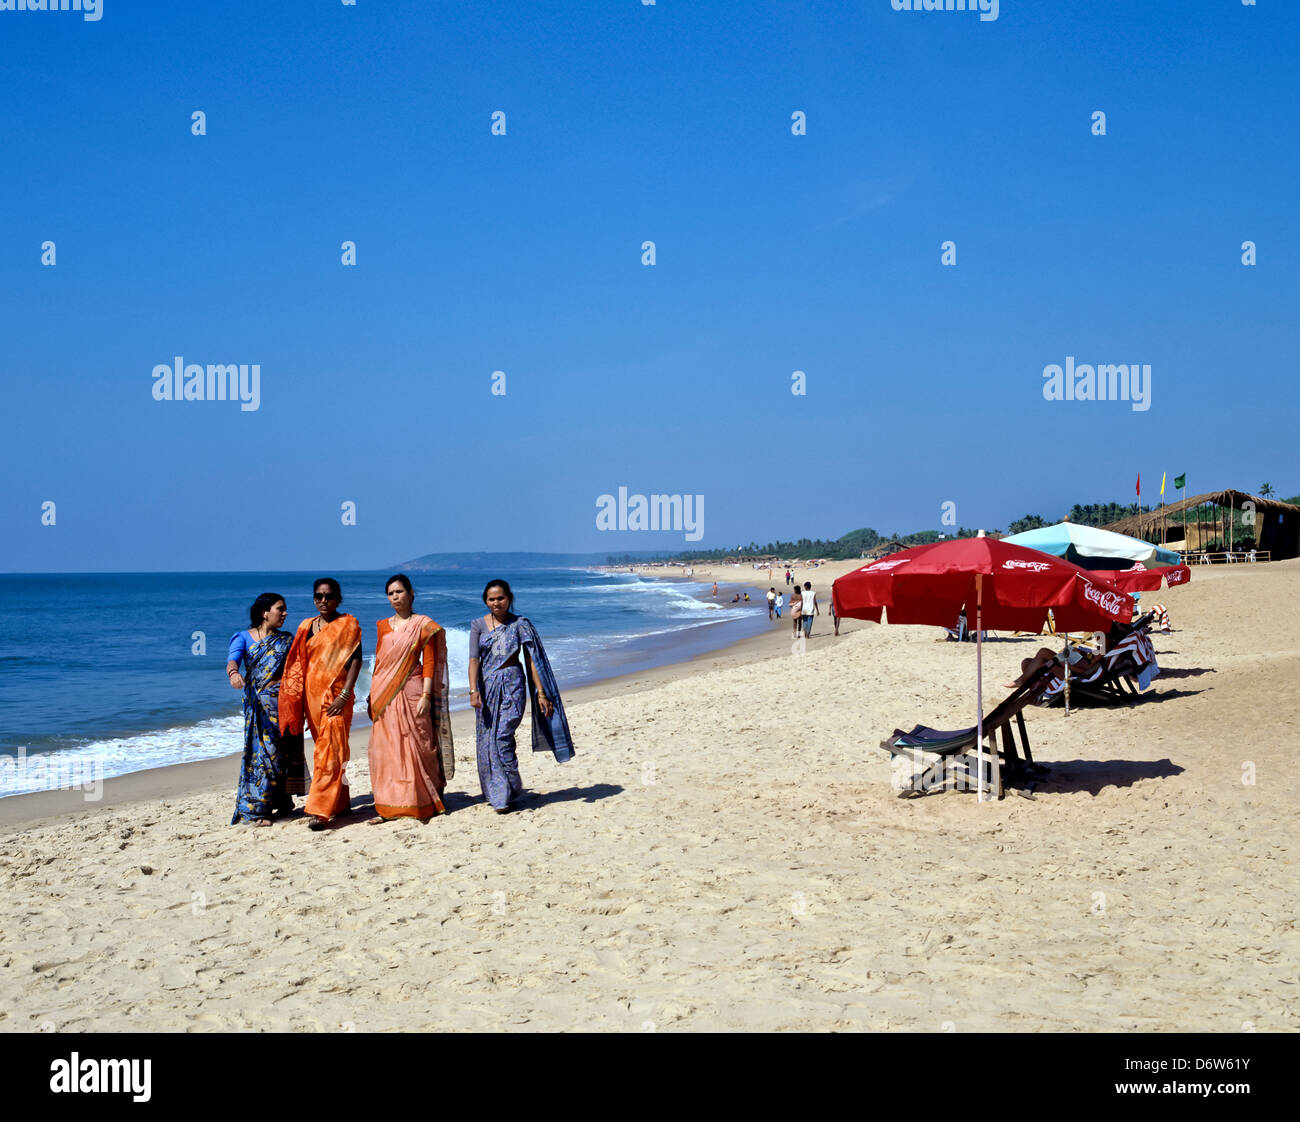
1123	672
1132	661
1120	631
925	758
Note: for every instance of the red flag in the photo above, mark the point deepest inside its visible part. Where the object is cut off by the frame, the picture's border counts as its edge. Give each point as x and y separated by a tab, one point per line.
1139	485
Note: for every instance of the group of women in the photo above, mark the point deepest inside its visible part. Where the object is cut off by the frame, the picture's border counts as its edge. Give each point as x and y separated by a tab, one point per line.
307	679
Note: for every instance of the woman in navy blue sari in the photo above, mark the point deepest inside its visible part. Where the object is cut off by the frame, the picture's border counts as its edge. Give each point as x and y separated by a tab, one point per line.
498	686
273	768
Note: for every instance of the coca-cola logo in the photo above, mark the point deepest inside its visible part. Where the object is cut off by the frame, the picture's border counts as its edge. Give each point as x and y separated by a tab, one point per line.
1175	576
879	565
1112	603
1032	566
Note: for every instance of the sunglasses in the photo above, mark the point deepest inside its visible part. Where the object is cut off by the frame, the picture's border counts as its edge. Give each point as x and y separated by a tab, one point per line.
324	596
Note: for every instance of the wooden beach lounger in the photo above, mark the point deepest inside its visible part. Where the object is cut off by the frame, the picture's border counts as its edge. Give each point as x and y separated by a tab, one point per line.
933	755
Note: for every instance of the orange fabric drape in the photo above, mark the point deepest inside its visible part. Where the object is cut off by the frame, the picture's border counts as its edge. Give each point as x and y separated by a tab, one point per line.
314	672
407	753
394	664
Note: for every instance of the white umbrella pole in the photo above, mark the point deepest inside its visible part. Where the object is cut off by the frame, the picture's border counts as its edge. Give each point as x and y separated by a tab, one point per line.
1066	656
979	685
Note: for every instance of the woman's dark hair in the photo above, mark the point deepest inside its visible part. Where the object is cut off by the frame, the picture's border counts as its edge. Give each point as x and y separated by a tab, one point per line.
504	586
262	605
331	583
402	579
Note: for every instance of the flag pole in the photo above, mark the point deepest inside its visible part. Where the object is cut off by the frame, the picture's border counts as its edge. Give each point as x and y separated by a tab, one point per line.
1185	519
1164	528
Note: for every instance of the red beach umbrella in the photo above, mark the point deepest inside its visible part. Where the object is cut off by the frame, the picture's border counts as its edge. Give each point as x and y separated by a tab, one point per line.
1141	579
1002	586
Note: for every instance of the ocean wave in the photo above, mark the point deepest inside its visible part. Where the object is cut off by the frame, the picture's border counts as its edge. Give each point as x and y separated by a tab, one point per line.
80	764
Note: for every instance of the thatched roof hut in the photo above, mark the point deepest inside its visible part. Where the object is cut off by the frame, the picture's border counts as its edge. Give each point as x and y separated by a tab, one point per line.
1277	525
884	549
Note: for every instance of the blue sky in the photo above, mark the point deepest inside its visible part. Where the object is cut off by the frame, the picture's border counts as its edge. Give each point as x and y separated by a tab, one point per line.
522	253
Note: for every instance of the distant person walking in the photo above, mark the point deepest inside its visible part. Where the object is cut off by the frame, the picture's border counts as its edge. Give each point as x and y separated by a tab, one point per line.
319	673
498	686
796	609
771	603
715	590
810	608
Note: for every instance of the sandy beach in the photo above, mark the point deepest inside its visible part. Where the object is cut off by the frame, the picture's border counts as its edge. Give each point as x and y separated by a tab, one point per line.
725	852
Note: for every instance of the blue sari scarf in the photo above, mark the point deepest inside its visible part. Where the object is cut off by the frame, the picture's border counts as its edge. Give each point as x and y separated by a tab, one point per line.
496	648
273	767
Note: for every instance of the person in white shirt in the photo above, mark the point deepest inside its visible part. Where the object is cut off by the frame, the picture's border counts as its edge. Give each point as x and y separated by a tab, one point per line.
810	608
771	603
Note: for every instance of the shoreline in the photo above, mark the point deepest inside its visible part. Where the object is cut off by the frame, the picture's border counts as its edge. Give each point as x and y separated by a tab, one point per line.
638	655
178	780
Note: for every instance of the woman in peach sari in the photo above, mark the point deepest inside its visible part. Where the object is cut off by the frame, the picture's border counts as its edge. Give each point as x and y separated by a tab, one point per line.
410	745
319	674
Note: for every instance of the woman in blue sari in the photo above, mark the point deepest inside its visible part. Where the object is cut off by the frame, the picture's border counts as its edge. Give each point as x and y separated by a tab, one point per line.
498	685
273	769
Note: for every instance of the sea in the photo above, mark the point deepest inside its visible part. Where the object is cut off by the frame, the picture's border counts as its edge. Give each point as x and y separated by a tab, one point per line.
105	674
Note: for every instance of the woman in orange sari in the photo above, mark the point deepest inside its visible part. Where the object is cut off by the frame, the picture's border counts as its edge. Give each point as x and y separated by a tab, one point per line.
410	745
319	674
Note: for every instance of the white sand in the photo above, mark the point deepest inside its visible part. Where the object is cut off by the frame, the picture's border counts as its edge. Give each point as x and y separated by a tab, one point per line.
725	852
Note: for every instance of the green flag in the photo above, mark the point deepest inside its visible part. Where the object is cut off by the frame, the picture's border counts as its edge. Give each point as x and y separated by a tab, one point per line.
1180	482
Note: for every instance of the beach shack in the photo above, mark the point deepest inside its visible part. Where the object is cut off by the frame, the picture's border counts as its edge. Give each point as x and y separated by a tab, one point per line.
1199	524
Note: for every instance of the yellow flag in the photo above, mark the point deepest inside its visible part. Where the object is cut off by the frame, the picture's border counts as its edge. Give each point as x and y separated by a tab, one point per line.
1162	483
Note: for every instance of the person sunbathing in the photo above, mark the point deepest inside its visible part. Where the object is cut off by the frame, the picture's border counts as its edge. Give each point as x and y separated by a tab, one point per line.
1082	663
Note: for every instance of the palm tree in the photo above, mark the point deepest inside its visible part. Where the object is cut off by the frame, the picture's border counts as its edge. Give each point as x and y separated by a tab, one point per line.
1265	489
